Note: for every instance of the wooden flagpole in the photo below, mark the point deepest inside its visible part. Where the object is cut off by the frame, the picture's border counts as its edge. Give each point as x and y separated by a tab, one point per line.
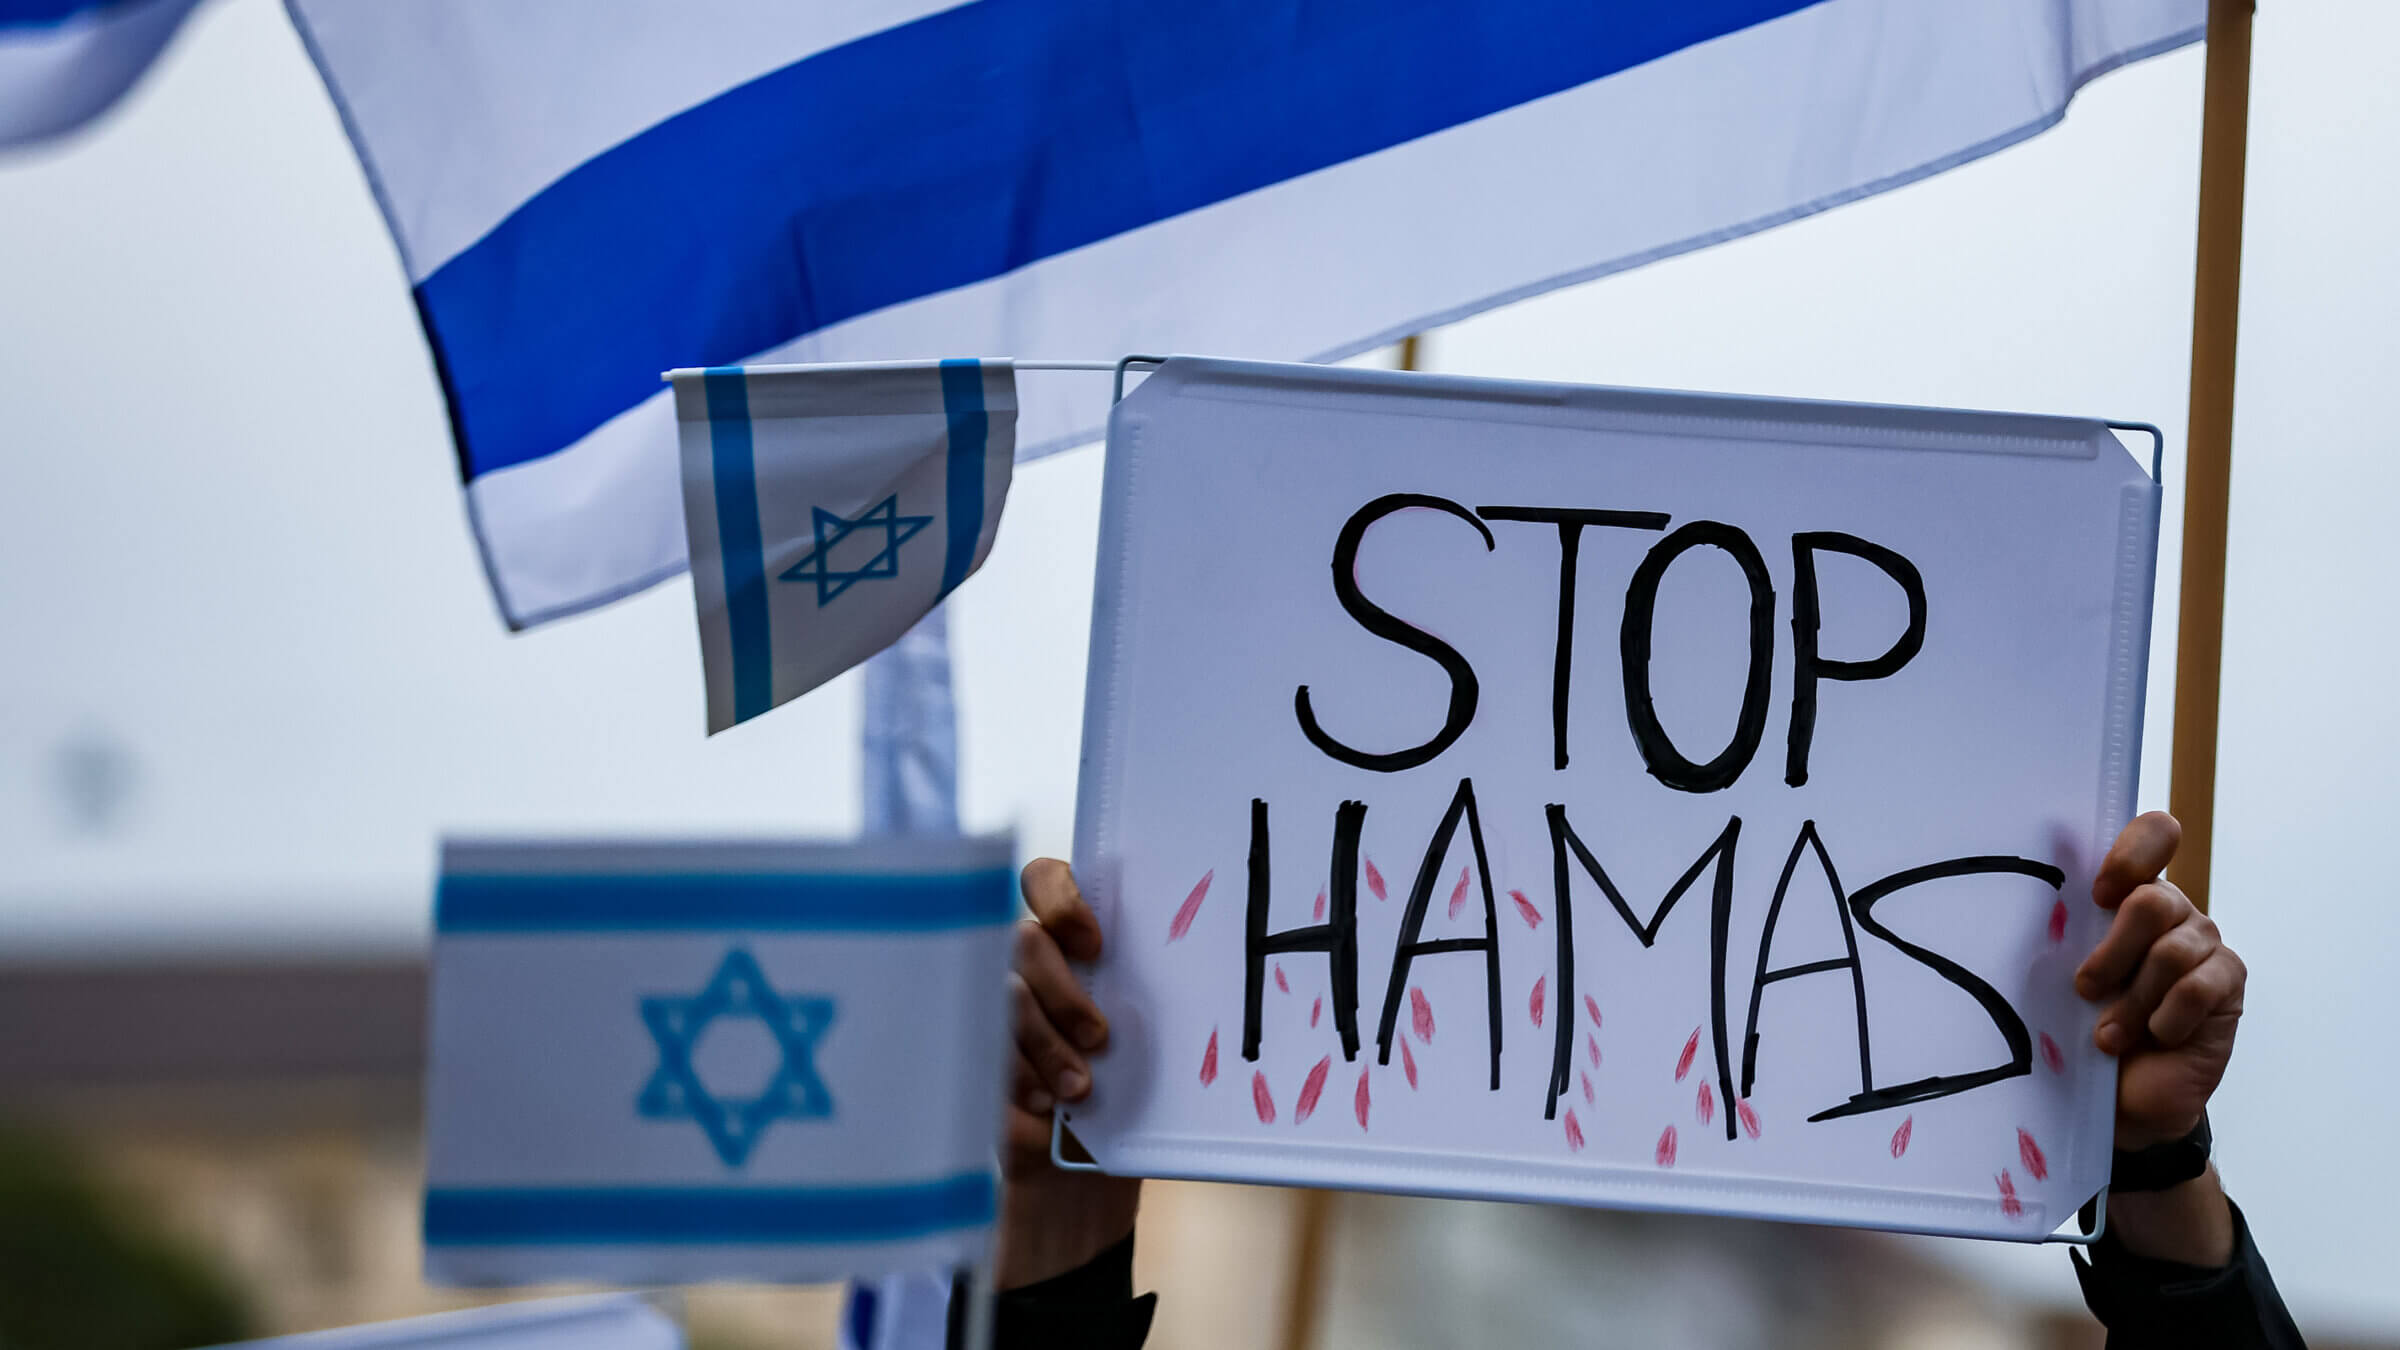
1310	1236
1313	1230
2208	468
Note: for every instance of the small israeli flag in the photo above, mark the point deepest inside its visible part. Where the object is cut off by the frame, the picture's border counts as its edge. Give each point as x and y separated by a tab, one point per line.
668	1062
829	508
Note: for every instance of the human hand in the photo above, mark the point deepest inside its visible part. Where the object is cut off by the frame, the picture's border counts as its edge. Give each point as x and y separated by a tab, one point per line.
1053	1221
2176	987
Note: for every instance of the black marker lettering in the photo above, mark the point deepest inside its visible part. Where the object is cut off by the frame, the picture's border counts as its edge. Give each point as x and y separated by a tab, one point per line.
1659	754
1563	839
1383	625
1858	978
1808	667
1337	937
1570	522
2004	1017
1412	923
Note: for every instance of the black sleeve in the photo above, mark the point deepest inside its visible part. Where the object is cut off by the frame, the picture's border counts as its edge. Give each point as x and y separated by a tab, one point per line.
2146	1303
1091	1307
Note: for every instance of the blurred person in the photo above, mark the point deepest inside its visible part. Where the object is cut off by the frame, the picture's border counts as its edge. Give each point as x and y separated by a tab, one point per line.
84	1266
2176	1268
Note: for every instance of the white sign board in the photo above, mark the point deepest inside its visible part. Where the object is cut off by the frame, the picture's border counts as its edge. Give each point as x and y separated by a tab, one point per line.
667	1062
1613	797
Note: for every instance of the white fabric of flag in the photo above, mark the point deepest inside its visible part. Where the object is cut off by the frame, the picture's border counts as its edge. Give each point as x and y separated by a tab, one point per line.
587	192
64	62
669	1062
831	509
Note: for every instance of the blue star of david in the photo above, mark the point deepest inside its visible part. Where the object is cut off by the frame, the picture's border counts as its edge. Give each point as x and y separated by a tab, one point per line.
738	989
832	529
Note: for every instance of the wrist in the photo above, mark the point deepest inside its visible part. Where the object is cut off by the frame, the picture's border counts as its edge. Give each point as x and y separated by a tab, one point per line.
1059	1223
2160	1165
2132	1137
2190	1223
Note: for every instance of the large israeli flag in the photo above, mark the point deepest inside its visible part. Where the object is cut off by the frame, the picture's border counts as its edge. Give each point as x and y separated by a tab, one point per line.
659	1063
587	192
64	62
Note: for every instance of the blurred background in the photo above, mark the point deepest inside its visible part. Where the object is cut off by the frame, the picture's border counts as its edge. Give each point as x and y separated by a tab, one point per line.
253	674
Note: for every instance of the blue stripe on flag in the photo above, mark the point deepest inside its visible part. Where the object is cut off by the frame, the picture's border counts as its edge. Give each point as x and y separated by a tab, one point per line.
46	13
738	542
958	148
962	398
871	902
578	1216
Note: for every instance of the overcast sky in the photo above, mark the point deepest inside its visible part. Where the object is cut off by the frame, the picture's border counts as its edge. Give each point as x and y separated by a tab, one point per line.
254	672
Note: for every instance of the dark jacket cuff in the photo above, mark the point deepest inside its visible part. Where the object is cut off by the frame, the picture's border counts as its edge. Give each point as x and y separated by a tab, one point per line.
1091	1307
2145	1303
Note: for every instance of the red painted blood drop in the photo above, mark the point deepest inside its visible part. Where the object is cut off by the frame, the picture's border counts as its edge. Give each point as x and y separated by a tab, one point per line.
1190	909
2030	1153
1311	1089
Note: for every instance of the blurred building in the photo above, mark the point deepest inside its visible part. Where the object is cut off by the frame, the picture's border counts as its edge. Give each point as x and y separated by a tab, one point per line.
268	1113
